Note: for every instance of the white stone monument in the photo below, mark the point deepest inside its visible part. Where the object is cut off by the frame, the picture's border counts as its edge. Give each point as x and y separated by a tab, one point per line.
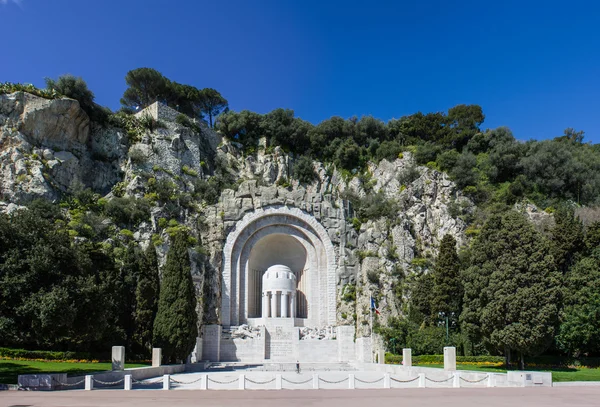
118	357
279	292
449	358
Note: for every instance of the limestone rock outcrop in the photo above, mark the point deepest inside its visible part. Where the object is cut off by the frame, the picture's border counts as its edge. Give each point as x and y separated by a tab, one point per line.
48	147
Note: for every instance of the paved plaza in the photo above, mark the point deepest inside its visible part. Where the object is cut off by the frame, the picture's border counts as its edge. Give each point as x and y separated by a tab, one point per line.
517	397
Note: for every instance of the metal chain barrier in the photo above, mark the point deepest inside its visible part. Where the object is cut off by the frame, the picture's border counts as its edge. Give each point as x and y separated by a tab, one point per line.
404	381
440	381
333	382
474	381
255	382
145	382
218	382
108	383
368	382
68	384
192	382
292	382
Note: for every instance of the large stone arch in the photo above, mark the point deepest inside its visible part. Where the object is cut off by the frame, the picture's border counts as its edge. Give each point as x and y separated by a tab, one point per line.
258	224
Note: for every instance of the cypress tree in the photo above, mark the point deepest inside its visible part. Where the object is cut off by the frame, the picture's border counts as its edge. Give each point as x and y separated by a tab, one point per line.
146	294
175	328
447	287
567	238
512	288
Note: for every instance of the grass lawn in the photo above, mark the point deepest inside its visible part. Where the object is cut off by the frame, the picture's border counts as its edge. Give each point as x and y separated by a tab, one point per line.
558	374
10	369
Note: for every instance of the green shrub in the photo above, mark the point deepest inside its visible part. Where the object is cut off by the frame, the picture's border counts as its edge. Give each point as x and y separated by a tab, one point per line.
8	87
373	276
44	354
137	155
408	175
349	293
304	170
150	123
128	211
189	171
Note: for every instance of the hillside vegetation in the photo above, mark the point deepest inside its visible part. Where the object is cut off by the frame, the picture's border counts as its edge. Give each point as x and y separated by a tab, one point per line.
75	276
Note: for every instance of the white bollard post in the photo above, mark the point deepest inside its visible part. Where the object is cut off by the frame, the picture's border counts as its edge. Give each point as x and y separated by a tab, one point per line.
456	381
127	382
491	380
351	384
315	381
407	357
204	382
166	382
278	382
89	382
421	379
242	382
118	358
156	357
449	358
387	383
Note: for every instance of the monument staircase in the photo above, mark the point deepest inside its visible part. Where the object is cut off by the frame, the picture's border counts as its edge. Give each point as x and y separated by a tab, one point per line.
278	367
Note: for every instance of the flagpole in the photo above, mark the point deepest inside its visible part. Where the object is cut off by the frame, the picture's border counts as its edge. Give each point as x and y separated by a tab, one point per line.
372	345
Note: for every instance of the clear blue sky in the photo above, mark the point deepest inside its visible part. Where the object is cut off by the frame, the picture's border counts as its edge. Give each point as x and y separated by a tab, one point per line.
532	65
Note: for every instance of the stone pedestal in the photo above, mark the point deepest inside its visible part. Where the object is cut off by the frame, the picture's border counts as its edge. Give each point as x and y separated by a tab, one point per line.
449	358
381	357
156	357
407	357
118	357
345	341
211	343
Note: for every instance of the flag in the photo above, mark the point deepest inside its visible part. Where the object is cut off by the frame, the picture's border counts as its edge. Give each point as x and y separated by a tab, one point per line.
374	307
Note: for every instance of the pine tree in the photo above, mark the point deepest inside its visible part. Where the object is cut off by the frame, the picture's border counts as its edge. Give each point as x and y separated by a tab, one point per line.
447	287
175	328
147	297
512	288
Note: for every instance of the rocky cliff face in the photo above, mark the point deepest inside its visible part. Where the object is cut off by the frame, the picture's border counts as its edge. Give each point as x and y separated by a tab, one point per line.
49	146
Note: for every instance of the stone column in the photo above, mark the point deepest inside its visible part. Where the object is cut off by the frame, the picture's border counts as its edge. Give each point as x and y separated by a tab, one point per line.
273	304
293	306
284	305
265	304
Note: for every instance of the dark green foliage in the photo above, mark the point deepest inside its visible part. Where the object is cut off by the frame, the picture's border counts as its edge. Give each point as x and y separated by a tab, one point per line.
512	288
426	152
408	175
146	86
211	104
175	329
304	170
76	88
373	206
53	294
128	211
421	298
447	287
146	298
579	330
567	238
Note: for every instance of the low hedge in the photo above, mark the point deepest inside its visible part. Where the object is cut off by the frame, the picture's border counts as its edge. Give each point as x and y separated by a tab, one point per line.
540	361
439	359
47	355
